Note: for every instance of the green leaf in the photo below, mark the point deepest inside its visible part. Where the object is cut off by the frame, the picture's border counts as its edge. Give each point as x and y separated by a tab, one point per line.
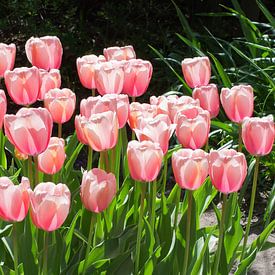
5	231
270	206
266	12
3	158
221	125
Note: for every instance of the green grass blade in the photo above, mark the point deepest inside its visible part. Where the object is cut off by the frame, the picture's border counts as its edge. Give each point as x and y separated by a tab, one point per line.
266	12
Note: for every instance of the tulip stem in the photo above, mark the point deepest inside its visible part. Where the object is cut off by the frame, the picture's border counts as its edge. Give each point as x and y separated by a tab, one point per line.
45	256
140	223
59	130
164	176
36	170
188	227
251	208
89	243
153	206
206	147
221	236
30	171
93	92
177	207
107	164
240	138
15	249
90	158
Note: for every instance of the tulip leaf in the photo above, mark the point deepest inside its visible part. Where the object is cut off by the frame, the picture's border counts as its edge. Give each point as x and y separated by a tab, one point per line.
3	158
5	231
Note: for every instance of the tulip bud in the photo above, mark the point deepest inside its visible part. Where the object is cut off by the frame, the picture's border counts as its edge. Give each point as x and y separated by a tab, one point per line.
7	57
119	53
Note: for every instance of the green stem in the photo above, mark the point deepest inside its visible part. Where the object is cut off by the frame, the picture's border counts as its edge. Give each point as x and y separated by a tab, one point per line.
240	138
90	158
93	92
140	224
113	160
107	164
188	226
221	236
206	147
252	202
165	164
153	207
15	250
36	170
1	147
30	171
101	160
177	208
45	256
59	130
136	203
89	243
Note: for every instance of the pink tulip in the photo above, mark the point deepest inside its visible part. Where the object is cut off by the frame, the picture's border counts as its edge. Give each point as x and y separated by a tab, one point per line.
190	168
7	57
238	102
144	160
14	199
158	129
119	53
79	123
109	77
163	103
29	130
137	76
86	69
137	110
227	170
52	159
23	85
196	71
50	205
61	104
97	190
49	80
193	126
44	52
209	98
19	155
3	107
101	131
258	135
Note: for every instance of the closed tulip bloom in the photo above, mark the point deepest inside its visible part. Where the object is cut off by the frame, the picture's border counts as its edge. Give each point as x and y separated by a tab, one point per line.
163	103
119	53
3	107
101	131
14	199
193	125
238	102
86	69
209	98
7	57
137	110
144	160
61	104
227	170
44	52
52	159
97	190
137	76
190	168
196	71
23	85
79	123
49	80
109	77
29	130
258	135
158	129
50	204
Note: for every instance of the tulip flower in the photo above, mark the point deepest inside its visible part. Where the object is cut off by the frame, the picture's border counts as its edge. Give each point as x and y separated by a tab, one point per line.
97	190
19	155
238	102
61	104
258	135
144	160
101	130
86	69
44	52
23	85
79	123
209	98
7	58
14	199
50	204
29	130
52	159
163	103
190	168
158	129
3	107
137	76
196	71
109	77
193	126
119	53
49	80
227	170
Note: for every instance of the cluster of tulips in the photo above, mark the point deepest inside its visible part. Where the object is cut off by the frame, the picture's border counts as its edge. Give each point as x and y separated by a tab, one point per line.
101	125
